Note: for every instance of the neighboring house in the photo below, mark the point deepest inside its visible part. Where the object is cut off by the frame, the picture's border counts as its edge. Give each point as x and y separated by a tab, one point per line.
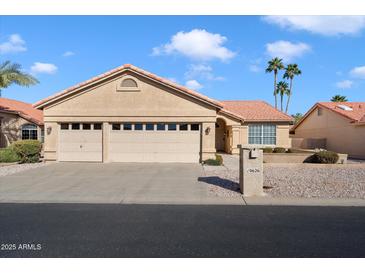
131	115
19	121
339	127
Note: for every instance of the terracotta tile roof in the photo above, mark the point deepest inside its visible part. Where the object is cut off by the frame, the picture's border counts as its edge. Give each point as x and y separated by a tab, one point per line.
355	115
25	110
133	69
255	111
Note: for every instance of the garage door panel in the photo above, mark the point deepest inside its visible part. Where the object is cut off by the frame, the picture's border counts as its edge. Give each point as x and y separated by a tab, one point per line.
80	145
154	146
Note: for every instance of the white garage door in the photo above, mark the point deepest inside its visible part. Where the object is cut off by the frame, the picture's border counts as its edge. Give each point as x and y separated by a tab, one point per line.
145	142
80	142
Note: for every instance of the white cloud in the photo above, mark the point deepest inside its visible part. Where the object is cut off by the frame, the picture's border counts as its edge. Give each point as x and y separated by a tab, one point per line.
197	44
193	84
254	68
324	25
345	84
43	68
68	53
358	72
287	50
172	79
203	72
14	44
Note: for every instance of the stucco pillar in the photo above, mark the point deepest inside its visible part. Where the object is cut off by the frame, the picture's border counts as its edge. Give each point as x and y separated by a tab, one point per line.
208	141
236	139
50	141
106	132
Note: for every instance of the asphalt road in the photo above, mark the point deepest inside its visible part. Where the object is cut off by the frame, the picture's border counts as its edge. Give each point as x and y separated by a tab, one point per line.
85	230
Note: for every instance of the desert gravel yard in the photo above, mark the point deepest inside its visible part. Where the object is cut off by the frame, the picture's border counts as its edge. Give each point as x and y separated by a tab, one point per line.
295	180
15	168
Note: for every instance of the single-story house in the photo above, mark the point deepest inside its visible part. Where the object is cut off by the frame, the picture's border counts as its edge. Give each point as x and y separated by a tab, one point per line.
131	115
19	121
339	127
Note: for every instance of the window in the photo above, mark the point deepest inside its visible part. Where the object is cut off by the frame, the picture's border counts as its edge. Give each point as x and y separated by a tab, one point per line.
171	126
86	126
138	127
29	132
64	126
160	126
262	134
129	83
115	126
75	126
97	126
194	127
150	126
183	127
319	111
127	126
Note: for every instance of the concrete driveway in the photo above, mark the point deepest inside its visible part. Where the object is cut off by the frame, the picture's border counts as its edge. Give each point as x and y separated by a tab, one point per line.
110	183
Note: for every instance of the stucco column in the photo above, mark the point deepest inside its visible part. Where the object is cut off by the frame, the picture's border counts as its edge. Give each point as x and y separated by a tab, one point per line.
236	139
50	141
208	141
106	132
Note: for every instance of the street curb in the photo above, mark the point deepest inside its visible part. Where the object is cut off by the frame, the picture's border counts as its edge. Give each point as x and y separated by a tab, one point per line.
304	201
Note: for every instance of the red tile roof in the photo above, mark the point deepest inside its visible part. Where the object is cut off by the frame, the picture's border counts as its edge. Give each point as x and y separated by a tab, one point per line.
25	110
255	111
355	115
133	69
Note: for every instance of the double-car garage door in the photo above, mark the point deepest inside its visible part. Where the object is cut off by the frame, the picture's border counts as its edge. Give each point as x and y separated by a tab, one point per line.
130	142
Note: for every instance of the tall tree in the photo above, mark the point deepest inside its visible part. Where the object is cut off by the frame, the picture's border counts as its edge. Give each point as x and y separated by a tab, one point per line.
274	65
283	89
297	116
291	70
339	98
10	73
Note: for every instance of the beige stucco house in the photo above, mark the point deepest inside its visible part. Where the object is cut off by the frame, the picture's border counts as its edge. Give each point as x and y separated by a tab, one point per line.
339	127
131	115
19	121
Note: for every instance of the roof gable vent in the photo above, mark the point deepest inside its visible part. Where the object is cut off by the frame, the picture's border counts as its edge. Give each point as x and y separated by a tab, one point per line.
343	107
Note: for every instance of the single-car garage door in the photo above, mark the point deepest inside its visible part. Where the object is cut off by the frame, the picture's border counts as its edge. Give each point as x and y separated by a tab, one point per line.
154	142
81	142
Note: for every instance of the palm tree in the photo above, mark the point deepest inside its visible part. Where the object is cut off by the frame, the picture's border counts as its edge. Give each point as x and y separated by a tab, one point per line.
339	98
10	73
290	71
274	65
283	89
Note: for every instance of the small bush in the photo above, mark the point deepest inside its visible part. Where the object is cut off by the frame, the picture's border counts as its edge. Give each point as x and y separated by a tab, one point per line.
28	151
8	155
279	150
218	161
267	149
323	157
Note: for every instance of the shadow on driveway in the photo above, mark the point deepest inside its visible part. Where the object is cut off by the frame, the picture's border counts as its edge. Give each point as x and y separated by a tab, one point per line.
220	182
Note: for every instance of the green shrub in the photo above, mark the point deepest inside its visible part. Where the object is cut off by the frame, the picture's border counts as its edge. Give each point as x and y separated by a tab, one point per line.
218	161
267	149
28	151
323	157
279	150
8	155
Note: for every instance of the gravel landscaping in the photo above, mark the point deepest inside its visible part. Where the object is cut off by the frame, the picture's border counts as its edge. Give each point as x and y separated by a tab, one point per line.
295	180
15	168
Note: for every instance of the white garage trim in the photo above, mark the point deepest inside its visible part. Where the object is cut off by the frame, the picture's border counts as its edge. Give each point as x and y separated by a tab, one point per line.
155	142
80	142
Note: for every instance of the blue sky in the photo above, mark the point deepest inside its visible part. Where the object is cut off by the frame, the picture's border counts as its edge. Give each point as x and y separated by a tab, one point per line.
223	57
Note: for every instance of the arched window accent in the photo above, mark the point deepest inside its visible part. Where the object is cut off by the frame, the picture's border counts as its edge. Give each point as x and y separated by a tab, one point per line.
129	83
29	132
